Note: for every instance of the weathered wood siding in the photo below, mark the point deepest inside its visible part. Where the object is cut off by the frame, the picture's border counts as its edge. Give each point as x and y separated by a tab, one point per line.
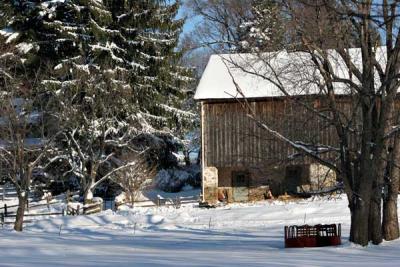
231	139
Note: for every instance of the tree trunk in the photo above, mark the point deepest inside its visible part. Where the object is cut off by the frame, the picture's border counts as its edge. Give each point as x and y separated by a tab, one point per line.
390	223
390	219
199	161
88	194
19	220
359	231
360	204
375	217
132	199
187	158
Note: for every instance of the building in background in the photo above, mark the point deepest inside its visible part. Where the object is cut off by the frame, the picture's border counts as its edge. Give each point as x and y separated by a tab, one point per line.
240	160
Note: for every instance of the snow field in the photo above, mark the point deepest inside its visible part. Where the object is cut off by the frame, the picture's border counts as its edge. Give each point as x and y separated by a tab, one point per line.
233	235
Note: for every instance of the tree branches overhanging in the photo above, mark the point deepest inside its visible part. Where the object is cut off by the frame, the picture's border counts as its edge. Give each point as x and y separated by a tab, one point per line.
101	70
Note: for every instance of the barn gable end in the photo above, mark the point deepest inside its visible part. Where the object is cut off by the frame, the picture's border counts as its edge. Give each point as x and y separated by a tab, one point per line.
242	162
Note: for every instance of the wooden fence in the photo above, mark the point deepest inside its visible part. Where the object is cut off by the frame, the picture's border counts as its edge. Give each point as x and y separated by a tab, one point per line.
85	209
6	213
160	201
7	190
10	211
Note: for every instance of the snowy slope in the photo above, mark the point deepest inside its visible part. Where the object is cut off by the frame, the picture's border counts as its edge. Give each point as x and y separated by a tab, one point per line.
234	235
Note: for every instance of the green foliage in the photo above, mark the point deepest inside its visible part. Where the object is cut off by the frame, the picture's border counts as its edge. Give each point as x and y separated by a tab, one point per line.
109	69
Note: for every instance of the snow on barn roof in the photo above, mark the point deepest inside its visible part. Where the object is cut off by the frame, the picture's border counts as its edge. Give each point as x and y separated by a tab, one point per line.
257	76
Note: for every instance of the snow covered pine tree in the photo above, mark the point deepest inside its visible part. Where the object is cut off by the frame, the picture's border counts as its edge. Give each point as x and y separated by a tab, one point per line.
113	75
121	83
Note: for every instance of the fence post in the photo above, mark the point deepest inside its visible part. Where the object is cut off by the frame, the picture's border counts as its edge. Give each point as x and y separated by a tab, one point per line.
67	196
27	205
5	210
77	210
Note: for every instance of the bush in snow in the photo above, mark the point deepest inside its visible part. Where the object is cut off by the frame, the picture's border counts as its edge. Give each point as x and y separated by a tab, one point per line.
174	180
135	178
195	176
166	182
161	149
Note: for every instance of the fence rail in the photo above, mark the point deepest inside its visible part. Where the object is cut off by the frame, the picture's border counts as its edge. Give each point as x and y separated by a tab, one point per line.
92	208
3	216
5	211
160	201
7	191
8	206
85	209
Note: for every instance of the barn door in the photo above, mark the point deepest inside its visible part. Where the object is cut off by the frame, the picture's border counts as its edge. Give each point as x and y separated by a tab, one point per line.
240	186
293	178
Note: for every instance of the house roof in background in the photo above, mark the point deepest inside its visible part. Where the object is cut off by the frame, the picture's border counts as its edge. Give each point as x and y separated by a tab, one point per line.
257	76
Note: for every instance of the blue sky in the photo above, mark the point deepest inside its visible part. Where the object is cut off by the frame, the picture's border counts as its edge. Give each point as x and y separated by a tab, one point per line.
190	21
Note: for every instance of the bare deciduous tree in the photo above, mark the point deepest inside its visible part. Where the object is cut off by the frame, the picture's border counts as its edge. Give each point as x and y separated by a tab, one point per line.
368	77
93	115
25	141
134	178
220	22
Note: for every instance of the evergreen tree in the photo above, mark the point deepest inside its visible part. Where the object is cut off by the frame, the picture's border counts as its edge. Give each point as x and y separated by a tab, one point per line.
135	42
265	30
123	77
25	25
113	75
162	87
92	96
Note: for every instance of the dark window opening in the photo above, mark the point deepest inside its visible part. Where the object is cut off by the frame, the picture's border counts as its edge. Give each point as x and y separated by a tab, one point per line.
295	177
240	179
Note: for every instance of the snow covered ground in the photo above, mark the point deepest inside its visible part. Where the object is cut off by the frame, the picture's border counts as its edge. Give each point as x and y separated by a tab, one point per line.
234	235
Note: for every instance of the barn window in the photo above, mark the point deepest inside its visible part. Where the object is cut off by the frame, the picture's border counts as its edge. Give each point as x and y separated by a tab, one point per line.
296	175
240	179
294	172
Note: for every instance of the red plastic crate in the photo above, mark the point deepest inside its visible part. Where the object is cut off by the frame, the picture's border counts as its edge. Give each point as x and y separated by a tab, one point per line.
320	235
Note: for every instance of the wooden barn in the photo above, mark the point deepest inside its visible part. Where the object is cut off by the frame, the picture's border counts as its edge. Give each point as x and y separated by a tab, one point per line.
240	161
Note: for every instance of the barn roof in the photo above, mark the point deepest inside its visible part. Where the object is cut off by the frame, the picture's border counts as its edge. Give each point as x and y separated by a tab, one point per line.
257	76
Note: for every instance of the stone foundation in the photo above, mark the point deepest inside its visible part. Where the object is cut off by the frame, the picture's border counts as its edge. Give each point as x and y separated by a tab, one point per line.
217	183
210	185
225	194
